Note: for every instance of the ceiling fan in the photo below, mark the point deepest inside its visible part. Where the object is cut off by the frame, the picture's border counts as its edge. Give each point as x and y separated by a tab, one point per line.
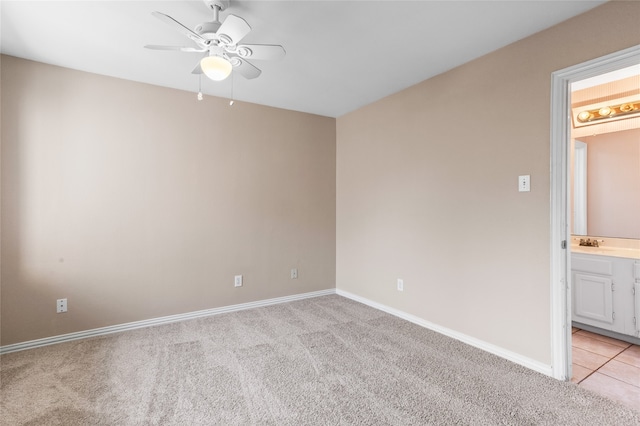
220	41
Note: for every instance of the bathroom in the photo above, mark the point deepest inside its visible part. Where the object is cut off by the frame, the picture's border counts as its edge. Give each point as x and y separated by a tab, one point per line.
605	232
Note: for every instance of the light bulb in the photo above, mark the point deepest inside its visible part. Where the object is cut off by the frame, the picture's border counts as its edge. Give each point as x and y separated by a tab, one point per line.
584	116
627	108
199	96
605	111
231	102
215	67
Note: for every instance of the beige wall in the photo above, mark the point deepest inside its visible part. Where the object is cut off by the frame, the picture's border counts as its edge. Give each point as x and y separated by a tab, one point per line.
613	184
427	187
135	201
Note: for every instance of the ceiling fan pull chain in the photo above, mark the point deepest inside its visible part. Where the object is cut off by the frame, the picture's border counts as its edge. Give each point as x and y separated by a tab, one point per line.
231	101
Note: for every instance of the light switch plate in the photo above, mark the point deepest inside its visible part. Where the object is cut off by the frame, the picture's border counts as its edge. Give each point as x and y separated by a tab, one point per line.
524	183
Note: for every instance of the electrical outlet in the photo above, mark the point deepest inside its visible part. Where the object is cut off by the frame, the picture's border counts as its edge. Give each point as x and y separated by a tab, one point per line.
237	281
400	284
294	274
61	306
524	183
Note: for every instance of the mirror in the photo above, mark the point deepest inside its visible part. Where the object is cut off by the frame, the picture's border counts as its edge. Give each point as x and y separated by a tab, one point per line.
606	185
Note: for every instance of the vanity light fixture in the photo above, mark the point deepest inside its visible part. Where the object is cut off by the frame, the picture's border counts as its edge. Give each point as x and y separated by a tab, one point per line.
613	110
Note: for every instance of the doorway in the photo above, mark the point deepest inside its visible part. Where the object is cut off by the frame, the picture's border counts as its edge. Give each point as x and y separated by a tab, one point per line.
560	168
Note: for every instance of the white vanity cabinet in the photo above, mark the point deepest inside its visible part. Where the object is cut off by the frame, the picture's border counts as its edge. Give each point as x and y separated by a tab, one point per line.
636	291
604	290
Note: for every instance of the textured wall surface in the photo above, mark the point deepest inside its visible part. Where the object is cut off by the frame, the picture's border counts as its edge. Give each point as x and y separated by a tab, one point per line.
135	201
427	187
613	184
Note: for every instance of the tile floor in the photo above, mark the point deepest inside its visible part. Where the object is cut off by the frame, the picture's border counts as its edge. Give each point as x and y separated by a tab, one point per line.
607	366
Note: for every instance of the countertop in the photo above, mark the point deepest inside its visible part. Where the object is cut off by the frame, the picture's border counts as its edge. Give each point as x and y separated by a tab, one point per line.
631	253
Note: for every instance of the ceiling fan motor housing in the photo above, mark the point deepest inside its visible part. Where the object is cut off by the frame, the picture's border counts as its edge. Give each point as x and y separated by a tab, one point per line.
208	29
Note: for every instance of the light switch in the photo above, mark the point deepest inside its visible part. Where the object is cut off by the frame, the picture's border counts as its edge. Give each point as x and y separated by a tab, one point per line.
524	183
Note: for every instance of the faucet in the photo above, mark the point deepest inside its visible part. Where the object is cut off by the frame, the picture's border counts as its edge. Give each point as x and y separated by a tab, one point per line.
589	243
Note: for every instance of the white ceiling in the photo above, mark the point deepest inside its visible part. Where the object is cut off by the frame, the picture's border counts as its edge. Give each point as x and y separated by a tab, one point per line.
341	55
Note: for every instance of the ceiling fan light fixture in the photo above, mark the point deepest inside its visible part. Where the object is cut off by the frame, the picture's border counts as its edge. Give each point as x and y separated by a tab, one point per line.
215	67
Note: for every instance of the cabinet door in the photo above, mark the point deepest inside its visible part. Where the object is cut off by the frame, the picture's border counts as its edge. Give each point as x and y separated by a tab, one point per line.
636	317
593	300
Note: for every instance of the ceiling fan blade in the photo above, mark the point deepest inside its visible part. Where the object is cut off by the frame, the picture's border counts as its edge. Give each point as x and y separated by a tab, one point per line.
234	28
180	48
177	25
261	51
246	69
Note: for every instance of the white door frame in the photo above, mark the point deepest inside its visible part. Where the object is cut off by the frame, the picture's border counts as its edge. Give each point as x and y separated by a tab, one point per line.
560	257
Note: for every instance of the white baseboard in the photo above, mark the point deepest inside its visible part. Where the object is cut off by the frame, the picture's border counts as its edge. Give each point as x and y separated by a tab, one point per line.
488	347
496	350
31	344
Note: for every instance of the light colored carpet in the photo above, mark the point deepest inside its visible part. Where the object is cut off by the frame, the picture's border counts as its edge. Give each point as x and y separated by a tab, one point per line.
321	361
